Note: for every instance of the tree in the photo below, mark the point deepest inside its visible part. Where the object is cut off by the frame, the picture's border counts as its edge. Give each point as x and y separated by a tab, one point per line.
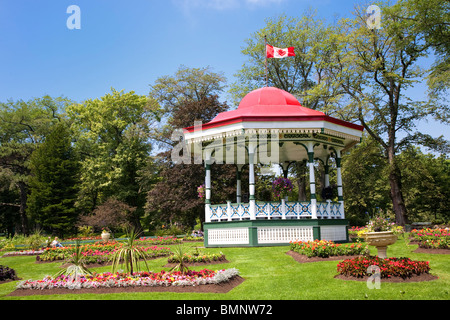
296	74
174	197
371	71
188	85
112	214
426	185
112	137
23	125
364	177
188	96
54	182
363	74
430	18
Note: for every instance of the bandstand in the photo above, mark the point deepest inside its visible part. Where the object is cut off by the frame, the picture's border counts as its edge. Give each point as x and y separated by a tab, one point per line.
271	127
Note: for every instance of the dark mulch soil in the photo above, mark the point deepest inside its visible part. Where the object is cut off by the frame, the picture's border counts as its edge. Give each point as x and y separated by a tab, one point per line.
206	288
414	278
432	251
195	264
9	280
301	258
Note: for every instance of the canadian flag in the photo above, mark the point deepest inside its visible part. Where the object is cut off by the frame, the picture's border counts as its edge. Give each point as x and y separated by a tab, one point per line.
274	52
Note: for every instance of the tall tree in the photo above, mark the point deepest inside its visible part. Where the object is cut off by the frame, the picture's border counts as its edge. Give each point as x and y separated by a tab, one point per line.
430	18
23	125
360	74
295	74
112	137
373	69
54	182
188	96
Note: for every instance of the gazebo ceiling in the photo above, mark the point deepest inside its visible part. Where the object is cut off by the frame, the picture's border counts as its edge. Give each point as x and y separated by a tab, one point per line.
275	111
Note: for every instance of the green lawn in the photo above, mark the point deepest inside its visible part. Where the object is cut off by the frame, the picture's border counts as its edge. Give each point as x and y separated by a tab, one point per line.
269	274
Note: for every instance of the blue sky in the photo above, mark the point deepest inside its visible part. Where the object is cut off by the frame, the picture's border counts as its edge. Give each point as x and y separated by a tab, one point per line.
128	44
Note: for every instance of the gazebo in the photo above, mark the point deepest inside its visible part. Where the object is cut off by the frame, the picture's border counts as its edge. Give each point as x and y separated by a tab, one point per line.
271	127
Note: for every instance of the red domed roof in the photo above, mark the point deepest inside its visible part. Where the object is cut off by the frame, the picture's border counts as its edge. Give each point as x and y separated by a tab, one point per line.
268	96
269	104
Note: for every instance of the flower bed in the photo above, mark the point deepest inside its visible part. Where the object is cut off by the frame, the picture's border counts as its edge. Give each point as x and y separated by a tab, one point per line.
158	241
97	253
432	238
389	267
139	279
199	257
22	253
325	249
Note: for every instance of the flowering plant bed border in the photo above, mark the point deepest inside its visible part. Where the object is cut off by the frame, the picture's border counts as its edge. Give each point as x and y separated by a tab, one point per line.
396	269
220	281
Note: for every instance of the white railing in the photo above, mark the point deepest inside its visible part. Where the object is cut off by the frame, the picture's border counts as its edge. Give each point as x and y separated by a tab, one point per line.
274	210
285	234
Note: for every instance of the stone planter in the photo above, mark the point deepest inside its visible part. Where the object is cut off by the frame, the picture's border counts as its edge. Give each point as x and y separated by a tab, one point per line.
381	240
105	236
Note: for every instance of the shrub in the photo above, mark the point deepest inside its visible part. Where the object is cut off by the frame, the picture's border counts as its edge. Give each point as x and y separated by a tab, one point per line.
198	256
6	273
389	267
324	248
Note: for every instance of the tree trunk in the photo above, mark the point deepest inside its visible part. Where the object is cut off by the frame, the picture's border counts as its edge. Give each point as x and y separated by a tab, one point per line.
22	208
396	194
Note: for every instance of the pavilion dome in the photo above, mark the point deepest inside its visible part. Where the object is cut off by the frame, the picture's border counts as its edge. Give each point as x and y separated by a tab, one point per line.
267	103
268	96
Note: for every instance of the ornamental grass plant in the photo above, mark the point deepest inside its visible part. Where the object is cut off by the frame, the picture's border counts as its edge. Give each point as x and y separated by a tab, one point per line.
178	255
77	266
129	254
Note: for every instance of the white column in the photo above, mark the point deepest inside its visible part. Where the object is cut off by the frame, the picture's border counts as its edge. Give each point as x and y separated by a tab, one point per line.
312	180
327	174
229	211
327	184
238	183
339	183
208	187
251	180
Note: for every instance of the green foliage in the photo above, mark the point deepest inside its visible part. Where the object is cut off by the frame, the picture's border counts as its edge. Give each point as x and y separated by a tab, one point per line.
54	183
23	125
112	137
325	249
178	258
77	266
129	254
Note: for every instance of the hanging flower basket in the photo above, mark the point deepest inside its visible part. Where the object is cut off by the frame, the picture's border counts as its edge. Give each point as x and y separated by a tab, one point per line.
281	187
201	191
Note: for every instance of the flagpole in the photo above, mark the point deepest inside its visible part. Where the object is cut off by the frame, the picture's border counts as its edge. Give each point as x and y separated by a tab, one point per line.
265	49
